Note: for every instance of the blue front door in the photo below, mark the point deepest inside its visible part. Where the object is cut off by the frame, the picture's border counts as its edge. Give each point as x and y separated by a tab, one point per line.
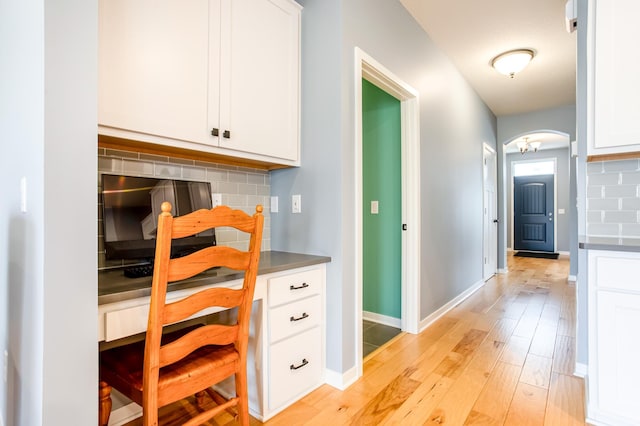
533	209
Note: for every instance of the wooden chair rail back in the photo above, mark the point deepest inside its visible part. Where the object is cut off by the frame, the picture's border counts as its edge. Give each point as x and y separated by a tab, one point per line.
196	358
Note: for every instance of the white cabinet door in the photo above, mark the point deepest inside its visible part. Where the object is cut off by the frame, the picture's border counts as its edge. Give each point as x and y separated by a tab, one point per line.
260	77
618	354
613	81
154	66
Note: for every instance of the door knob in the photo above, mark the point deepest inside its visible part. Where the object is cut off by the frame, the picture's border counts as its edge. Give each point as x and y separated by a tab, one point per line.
495	220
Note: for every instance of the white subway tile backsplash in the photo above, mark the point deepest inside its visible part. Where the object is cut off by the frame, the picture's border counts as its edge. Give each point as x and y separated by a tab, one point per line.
603	204
245	188
241	188
595	191
593	168
630	204
622	216
194	173
631	229
619	166
256	179
168	170
613	198
137	167
631	178
217	175
604	179
617	191
238	177
603	230
594	216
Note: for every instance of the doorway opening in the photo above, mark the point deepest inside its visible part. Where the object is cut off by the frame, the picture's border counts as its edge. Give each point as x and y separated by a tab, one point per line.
533	207
375	73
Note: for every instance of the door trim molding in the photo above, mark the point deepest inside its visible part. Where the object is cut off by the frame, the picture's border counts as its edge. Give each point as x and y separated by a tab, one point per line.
486	221
370	69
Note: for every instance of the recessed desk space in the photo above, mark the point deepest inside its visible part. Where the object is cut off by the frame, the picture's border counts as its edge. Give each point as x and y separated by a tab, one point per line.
289	286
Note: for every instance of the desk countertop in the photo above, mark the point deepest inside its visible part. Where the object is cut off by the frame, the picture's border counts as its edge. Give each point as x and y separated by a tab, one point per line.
113	286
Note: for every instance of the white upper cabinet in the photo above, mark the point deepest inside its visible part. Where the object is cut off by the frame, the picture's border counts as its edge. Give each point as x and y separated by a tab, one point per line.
613	70
218	76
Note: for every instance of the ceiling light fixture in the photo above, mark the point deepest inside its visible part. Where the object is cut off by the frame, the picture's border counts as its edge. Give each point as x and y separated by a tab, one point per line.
512	62
525	146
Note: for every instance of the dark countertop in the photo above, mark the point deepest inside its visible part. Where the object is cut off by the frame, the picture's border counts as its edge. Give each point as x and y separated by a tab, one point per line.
113	286
609	243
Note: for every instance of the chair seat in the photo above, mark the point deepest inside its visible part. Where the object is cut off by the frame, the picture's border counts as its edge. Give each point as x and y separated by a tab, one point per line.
122	367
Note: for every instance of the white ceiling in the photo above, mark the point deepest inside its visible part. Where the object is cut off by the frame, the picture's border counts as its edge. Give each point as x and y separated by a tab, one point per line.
472	32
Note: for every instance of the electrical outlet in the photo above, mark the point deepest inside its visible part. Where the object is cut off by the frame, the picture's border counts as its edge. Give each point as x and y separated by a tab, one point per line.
296	204
216	200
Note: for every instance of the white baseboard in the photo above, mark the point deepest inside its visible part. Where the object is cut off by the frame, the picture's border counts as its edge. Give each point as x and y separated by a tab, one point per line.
447	307
125	414
564	253
572	278
503	270
382	319
341	381
580	370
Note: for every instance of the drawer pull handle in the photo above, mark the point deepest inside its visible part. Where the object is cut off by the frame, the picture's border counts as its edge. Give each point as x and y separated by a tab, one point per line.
295	367
293	287
304	315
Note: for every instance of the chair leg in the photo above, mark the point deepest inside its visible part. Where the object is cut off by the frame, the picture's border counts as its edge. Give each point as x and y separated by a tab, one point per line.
243	397
200	399
104	406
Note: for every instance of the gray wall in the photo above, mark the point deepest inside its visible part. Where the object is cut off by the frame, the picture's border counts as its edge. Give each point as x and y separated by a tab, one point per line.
559	119
454	123
581	115
48	286
562	192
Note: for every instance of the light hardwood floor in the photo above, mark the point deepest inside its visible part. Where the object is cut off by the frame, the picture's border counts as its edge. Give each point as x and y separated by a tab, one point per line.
505	356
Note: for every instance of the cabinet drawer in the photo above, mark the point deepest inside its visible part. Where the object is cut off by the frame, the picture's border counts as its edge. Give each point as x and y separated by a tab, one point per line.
293	318
292	287
295	366
617	271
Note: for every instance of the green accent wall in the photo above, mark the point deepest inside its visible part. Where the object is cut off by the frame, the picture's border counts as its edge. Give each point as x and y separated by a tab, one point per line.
381	169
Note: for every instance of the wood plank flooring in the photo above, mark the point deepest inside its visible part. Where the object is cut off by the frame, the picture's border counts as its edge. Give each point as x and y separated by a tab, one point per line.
505	356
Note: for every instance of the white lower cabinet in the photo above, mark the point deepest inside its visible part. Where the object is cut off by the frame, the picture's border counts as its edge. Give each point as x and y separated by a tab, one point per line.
296	337
614	338
295	367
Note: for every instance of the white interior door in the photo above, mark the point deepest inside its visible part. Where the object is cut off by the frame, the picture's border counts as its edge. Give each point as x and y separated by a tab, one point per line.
490	212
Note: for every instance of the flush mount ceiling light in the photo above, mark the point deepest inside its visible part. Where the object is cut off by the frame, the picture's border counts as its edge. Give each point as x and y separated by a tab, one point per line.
512	62
525	146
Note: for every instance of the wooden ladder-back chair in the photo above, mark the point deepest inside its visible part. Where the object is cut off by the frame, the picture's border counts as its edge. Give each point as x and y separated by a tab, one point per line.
164	369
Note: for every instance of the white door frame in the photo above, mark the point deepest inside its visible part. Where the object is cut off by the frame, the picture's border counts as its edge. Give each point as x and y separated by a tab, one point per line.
374	72
490	228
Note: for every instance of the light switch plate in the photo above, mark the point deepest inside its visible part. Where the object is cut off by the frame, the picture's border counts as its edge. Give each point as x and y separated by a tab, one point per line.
274	204
216	199
296	204
374	207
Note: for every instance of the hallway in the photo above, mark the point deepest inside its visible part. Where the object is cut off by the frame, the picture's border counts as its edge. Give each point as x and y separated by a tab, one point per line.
505	356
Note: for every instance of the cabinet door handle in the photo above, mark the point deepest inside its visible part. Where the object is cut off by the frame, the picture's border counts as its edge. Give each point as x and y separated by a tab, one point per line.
226	134
295	367
304	315
293	287
214	132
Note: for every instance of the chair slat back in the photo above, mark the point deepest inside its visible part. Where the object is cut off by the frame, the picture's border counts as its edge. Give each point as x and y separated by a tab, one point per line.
168	270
